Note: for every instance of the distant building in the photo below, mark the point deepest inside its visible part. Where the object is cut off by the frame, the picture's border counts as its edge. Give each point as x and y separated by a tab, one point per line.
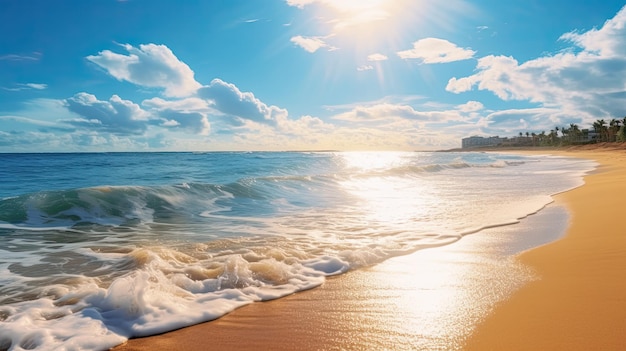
478	141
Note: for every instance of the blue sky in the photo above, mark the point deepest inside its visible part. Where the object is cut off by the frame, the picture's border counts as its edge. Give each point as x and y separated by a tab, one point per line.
151	75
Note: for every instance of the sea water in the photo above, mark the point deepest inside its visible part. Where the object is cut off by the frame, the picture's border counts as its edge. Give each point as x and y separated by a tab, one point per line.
98	248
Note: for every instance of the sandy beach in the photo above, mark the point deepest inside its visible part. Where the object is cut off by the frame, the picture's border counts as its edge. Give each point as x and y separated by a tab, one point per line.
564	295
578	304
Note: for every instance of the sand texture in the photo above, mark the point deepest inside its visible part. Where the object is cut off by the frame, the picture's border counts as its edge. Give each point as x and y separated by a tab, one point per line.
580	301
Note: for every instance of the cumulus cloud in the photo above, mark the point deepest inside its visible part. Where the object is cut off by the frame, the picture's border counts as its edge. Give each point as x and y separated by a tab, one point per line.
193	121
115	116
307	128
470	106
587	83
516	120
607	41
149	65
188	114
365	68
310	44
229	100
434	50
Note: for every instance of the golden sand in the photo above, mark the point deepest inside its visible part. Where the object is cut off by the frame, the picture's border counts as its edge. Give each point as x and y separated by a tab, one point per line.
578	301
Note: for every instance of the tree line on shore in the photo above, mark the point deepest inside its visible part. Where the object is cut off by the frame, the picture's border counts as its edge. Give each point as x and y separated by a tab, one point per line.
601	131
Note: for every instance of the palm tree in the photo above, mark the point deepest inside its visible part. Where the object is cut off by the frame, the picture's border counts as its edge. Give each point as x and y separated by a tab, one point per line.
621	134
542	137
613	129
565	133
553	136
599	127
574	132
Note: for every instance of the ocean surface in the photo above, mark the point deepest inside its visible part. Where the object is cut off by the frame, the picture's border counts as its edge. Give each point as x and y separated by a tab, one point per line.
97	248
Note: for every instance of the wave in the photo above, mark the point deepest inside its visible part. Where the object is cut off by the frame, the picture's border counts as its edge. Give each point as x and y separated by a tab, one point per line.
136	205
116	205
92	266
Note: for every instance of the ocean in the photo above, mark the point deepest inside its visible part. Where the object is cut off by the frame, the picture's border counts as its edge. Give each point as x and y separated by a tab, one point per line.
96	248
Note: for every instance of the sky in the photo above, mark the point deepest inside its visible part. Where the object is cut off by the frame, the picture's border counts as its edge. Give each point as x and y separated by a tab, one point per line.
243	75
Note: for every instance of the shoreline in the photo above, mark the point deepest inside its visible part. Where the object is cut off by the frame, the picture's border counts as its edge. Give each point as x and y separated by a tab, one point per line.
375	308
578	304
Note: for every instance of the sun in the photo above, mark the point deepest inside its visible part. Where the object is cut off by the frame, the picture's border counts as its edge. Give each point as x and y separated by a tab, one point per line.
351	13
355	12
368	24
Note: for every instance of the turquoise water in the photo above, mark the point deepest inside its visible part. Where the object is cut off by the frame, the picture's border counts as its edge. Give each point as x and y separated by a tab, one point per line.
97	248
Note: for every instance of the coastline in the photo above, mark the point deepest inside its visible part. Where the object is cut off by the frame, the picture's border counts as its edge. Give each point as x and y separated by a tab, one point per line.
578	304
375	308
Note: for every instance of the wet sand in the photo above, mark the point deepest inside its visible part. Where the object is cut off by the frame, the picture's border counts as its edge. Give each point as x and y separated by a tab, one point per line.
473	294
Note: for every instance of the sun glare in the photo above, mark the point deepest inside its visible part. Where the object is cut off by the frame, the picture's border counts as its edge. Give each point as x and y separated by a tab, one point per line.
367	26
391	202
354	12
363	161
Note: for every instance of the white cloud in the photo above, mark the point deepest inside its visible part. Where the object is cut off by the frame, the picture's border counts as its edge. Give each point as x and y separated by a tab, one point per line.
115	116
587	84
150	65
299	3
377	57
37	86
188	104
434	50
189	114
27	86
304	126
460	85
365	68
607	41
229	100
514	121
36	56
471	106
310	44
385	112
20	123
389	100
30	141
